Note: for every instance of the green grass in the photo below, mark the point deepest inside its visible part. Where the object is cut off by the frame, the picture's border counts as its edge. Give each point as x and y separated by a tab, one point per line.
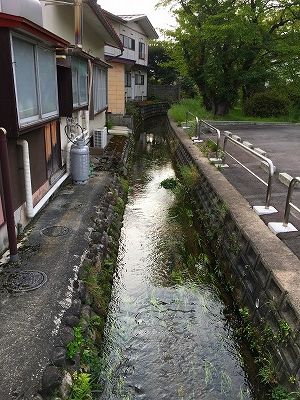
178	113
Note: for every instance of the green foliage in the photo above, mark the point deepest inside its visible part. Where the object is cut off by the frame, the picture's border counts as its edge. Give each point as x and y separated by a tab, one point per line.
281	393
228	47
124	184
169	183
81	389
190	176
132	109
119	206
74	346
160	70
285	332
267	104
178	111
109	124
267	371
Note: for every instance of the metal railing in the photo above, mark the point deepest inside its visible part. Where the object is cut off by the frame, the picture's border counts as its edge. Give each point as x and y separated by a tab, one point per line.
257	155
196	119
212	128
288	204
199	131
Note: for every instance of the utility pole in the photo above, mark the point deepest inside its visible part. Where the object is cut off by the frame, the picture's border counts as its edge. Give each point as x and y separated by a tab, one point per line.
78	17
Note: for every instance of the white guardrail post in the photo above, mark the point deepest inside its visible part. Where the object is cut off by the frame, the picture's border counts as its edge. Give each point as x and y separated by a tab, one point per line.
286	226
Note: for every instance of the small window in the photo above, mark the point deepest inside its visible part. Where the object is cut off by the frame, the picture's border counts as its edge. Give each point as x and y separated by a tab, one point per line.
36	84
139	79
99	89
131	44
79	82
142	52
127	42
127	79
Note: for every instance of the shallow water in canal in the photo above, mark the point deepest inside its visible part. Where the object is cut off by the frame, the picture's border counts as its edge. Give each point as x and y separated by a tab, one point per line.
166	337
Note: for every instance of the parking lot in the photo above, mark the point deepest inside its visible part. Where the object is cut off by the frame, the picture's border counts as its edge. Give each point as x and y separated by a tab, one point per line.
282	145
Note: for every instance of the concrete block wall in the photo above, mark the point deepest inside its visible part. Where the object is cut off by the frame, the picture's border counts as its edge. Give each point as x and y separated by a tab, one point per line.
170	93
262	281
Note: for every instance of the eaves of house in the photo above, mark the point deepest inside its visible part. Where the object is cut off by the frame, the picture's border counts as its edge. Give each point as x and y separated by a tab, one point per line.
23	24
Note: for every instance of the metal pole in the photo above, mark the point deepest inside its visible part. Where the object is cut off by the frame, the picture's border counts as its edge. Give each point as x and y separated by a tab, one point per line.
288	201
78	23
8	205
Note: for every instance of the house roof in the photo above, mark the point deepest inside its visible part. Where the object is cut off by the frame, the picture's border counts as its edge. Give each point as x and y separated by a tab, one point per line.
95	16
144	22
141	19
21	23
113	39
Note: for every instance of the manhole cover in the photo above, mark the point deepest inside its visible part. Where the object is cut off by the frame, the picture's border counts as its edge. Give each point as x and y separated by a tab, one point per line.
55	231
25	281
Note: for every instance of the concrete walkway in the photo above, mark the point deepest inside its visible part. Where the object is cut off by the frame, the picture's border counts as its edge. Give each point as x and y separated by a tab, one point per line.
29	321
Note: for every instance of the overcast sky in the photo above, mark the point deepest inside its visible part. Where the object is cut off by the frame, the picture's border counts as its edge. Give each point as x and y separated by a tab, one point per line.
160	18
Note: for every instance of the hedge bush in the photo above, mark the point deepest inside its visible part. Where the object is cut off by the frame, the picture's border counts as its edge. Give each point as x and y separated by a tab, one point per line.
267	104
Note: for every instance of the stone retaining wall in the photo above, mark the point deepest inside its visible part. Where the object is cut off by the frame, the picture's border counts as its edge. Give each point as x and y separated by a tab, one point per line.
58	376
147	111
264	272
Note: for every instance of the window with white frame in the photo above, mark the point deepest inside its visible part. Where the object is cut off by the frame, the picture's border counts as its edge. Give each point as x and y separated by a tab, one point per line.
127	79
35	80
99	89
79	81
142	51
139	79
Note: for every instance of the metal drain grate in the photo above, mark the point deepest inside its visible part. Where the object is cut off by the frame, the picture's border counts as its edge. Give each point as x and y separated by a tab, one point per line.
25	281
55	231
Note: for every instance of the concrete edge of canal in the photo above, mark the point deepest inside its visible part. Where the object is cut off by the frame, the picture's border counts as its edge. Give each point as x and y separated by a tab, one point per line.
266	272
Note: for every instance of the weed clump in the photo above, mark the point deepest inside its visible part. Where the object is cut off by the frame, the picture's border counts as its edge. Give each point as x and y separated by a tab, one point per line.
169	183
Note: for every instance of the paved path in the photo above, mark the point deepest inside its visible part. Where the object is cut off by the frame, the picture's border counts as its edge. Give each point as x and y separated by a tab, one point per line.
282	144
29	321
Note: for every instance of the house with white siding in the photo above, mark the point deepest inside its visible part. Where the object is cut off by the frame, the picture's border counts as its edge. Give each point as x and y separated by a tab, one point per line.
127	80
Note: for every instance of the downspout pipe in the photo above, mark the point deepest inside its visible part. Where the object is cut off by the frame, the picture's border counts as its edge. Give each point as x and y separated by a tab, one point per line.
9	210
30	210
27	177
78	22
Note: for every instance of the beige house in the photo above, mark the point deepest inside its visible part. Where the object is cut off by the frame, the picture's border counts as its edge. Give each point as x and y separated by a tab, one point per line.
127	80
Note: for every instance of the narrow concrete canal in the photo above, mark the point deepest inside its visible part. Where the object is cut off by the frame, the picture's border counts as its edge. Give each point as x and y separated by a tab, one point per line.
167	336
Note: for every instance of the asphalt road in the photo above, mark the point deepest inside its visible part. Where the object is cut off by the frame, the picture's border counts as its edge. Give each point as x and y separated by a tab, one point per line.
282	144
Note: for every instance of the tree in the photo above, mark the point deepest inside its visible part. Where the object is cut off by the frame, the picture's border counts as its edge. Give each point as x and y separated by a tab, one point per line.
230	46
164	69
160	70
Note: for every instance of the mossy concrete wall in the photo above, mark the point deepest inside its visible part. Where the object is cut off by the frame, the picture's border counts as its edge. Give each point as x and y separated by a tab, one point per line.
264	271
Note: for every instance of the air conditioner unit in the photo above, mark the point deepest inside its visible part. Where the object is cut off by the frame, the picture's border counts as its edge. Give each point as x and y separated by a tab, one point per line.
100	137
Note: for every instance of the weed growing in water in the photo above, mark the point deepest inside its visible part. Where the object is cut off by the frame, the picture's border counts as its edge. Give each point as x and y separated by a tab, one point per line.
169	183
281	393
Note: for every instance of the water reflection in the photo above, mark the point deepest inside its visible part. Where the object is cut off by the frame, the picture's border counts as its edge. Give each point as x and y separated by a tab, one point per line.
165	338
